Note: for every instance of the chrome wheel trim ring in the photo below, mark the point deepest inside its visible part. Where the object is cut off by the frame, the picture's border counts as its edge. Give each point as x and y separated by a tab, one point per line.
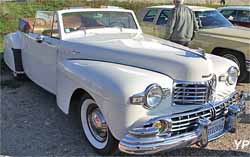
97	124
92	140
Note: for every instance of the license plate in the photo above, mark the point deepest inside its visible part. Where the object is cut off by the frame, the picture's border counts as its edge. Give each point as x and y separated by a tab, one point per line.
216	127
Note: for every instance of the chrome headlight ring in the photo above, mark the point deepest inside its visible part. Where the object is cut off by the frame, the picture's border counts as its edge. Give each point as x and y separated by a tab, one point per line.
232	75
151	97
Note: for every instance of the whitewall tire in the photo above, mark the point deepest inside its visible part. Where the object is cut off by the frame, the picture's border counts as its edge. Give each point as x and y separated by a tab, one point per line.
95	128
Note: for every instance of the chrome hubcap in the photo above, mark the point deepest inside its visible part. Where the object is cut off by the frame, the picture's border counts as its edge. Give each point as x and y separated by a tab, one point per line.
97	124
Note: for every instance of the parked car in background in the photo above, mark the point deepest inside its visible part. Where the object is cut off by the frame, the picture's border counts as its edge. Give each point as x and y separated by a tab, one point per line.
237	15
129	90
216	35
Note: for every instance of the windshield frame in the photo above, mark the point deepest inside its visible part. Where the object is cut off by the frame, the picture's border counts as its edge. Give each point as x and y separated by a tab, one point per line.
226	23
80	32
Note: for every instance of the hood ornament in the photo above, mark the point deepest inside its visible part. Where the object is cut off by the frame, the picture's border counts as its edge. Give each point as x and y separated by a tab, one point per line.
202	52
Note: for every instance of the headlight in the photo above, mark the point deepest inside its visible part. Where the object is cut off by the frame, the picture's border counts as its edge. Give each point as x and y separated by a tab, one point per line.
233	74
153	96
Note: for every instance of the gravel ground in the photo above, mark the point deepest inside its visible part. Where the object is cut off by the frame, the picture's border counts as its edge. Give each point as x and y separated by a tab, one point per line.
32	125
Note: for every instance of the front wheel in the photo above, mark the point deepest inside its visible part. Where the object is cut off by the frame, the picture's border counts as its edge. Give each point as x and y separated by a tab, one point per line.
96	129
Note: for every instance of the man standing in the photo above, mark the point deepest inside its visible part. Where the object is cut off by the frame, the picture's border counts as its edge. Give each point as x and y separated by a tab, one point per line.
223	2
182	24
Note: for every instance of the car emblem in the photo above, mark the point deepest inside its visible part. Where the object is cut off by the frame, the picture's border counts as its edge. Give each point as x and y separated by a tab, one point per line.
212	83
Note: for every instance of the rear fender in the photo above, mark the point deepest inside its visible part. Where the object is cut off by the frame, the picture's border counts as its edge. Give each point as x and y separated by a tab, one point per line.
12	52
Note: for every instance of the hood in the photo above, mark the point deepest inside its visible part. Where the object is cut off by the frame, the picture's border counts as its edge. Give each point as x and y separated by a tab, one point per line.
147	52
233	32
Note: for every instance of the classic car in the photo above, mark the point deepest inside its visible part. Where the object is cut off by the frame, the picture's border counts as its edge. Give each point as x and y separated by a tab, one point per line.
238	15
216	35
129	90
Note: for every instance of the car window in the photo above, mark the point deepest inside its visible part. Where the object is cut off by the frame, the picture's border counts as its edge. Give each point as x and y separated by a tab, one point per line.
229	14
46	24
97	19
163	18
243	16
150	16
211	19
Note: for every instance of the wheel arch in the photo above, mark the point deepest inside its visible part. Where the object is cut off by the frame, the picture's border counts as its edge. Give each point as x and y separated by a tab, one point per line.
76	98
218	51
240	57
13	52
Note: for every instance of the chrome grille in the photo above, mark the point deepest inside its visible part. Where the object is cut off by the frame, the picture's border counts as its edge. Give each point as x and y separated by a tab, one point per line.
187	94
187	122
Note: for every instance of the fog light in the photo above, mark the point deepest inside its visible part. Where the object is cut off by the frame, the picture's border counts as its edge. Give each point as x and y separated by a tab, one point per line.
162	126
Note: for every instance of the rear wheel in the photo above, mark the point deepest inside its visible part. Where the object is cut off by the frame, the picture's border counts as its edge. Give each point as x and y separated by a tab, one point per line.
239	60
95	128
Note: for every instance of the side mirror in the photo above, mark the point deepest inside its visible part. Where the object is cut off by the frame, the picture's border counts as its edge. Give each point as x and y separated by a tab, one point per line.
40	39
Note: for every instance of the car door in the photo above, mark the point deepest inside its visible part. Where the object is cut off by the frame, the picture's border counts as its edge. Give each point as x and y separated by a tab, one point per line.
148	20
40	51
201	35
205	37
160	24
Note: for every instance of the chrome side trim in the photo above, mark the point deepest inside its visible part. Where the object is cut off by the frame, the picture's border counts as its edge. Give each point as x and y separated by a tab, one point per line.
248	65
19	72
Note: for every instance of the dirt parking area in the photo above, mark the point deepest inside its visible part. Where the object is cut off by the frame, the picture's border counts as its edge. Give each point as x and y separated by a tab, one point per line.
32	125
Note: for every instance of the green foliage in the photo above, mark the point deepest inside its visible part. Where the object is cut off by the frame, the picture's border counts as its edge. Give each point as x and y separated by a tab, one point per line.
10	12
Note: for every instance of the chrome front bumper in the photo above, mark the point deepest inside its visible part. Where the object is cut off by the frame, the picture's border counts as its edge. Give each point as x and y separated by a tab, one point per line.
147	140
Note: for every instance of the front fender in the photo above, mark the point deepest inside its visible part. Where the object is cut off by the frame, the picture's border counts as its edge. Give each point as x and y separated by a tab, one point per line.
111	85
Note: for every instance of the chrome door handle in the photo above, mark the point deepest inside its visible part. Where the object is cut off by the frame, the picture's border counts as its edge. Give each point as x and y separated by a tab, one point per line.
75	52
40	39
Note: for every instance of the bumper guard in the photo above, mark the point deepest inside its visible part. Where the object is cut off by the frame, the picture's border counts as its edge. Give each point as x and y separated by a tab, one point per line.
149	140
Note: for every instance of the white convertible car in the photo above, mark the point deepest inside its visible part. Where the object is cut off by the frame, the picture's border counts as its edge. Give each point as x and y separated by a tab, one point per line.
131	91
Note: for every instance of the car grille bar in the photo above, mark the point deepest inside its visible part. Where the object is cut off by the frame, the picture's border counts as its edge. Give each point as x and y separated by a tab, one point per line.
187	122
186	93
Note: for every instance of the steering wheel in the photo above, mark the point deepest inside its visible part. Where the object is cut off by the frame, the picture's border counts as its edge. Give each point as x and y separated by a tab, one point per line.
113	24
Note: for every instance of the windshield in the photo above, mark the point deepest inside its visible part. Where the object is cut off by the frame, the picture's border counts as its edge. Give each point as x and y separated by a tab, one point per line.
97	19
211	19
